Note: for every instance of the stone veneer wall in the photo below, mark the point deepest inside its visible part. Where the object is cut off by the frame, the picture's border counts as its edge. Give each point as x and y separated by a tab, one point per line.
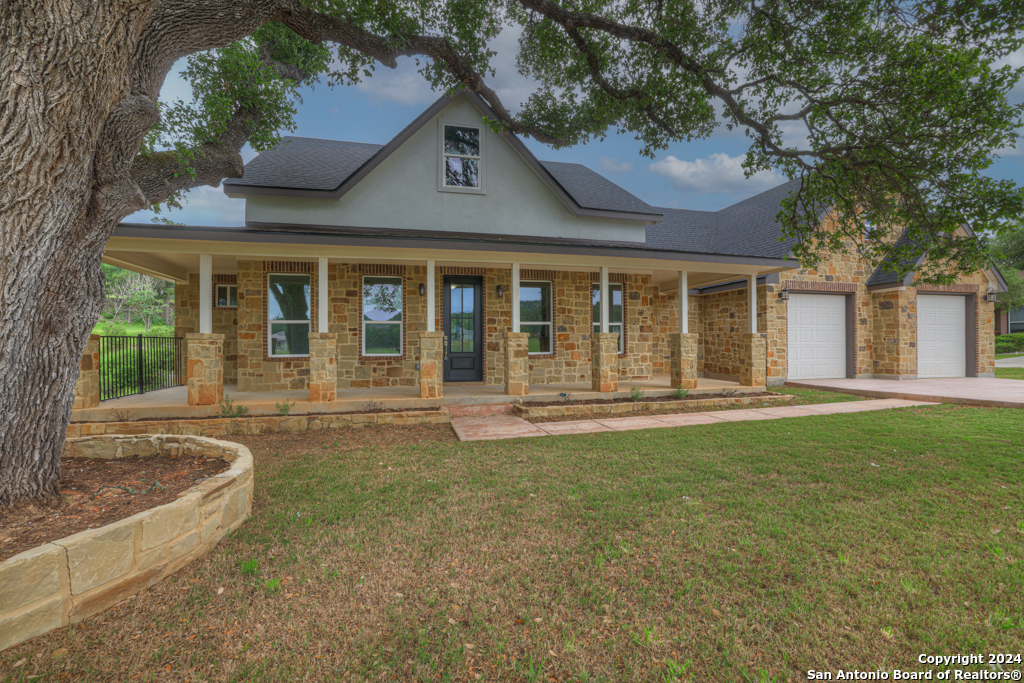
225	320
665	319
87	386
70	579
894	333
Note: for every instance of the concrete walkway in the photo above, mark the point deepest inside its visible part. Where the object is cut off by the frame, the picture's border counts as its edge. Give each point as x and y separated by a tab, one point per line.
1014	362
972	391
495	427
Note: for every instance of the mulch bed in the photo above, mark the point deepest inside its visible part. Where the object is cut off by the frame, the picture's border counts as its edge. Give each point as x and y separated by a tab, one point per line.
125	415
85	504
646	399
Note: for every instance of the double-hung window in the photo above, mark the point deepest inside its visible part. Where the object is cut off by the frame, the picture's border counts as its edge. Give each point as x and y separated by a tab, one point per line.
382	316
461	156
227	296
535	315
288	308
614	310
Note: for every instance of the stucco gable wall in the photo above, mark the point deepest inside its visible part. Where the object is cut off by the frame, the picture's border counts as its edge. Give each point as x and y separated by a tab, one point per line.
402	193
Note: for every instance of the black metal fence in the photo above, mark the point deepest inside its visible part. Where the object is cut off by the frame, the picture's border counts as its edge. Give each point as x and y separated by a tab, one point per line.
135	365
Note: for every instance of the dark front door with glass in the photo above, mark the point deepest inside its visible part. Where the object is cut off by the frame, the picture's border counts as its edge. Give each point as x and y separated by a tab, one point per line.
463	328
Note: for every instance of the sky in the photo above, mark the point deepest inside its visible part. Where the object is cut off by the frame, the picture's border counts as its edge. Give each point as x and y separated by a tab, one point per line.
704	175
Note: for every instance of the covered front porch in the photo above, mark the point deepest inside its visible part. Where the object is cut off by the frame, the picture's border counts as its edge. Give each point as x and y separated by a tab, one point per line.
173	403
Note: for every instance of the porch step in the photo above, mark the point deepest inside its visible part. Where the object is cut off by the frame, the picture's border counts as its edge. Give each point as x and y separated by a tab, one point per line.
479	409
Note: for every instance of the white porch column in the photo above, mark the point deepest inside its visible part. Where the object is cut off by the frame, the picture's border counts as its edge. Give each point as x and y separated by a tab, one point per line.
205	294
752	293
321	295
515	297
431	295
684	303
604	299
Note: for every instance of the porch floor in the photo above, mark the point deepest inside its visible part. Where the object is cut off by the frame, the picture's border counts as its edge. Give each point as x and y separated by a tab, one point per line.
172	403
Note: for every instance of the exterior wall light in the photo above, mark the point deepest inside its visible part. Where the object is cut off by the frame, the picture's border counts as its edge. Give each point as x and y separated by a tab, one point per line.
501	291
991	297
423	289
784	294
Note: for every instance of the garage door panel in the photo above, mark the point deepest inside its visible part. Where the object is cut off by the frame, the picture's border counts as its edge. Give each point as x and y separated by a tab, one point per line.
817	336
941	336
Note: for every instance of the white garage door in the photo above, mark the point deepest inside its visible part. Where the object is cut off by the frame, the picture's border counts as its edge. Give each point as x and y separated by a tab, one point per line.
817	336
941	336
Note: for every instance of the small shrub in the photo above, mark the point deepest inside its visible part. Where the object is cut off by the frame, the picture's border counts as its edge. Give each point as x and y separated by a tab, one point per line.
636	393
679	394
1014	341
120	415
229	409
567	398
1005	348
372	406
249	567
284	407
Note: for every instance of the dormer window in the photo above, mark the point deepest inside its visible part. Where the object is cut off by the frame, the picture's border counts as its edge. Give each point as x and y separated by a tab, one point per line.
461	152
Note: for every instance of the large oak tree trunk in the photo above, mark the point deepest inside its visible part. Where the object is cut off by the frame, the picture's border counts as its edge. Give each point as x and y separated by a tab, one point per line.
63	71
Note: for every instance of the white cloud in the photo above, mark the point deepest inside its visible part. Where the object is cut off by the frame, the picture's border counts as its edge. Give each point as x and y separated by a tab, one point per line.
717	174
402	85
613	165
202	206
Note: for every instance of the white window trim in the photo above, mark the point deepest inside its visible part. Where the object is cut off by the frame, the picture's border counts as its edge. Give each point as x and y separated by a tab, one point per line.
551	312
400	323
216	294
622	325
270	322
481	175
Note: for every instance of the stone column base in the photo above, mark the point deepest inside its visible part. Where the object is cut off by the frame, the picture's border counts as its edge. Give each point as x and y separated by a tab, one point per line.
753	354
431	364
205	353
683	348
87	386
604	361
517	363
323	367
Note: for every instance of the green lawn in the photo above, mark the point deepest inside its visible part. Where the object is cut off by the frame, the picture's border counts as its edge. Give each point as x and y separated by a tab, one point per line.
157	329
1010	373
748	551
1008	355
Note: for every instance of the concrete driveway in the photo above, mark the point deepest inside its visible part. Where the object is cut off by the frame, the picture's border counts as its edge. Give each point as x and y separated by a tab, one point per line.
978	391
1015	362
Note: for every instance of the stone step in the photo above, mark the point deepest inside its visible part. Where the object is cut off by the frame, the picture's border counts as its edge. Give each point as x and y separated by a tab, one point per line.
479	409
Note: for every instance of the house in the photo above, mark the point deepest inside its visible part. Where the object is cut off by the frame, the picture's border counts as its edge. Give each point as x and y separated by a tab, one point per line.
1011	321
451	256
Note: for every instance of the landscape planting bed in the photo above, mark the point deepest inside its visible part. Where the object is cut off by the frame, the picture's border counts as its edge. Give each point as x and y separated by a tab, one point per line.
663	404
68	579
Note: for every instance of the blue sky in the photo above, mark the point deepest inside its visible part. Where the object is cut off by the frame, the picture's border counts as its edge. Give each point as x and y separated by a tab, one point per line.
703	175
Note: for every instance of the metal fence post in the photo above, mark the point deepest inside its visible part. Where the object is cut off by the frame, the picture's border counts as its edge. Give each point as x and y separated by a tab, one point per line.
138	359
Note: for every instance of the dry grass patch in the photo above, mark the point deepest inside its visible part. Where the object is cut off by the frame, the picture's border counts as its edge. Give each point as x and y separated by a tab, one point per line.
742	551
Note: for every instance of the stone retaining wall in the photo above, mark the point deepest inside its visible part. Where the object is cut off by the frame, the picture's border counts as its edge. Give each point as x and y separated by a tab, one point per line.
70	579
627	407
260	424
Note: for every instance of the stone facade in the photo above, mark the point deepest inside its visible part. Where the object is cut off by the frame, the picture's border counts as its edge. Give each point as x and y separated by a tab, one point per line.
752	358
605	361
225	320
73	578
894	333
323	367
683	357
205	353
517	374
87	386
431	364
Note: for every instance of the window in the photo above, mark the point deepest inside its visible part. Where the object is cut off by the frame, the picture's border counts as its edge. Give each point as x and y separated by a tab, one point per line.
1016	320
535	315
461	156
288	309
614	310
382	316
227	296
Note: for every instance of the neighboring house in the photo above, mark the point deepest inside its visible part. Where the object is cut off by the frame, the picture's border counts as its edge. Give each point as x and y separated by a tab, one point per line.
451	227
1008	322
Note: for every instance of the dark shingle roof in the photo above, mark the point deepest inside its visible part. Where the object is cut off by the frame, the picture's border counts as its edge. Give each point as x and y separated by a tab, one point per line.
306	164
748	228
886	274
593	191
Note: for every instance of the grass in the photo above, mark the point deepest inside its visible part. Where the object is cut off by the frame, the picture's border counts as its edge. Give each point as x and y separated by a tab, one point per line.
1008	355
157	329
811	396
1010	373
748	551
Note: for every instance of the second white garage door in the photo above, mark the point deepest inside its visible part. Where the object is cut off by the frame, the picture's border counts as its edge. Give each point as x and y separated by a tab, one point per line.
941	336
817	336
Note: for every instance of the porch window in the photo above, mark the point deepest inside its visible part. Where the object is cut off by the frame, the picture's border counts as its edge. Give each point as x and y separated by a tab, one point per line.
288	307
227	296
382	316
461	156
614	310
535	315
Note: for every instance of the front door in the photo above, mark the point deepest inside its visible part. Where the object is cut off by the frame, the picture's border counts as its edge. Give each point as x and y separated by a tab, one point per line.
463	327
